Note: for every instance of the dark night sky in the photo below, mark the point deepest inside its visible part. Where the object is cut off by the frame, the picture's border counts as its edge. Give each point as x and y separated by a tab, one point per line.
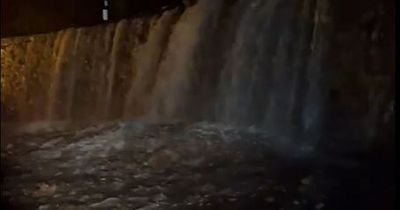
24	17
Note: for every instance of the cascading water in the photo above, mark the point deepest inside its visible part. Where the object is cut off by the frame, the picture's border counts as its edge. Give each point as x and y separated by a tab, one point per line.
223	104
239	62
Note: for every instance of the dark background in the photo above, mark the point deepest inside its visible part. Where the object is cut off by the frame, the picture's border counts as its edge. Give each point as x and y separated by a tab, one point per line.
24	17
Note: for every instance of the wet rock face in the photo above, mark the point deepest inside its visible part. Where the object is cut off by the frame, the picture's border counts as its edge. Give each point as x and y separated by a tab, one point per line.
361	63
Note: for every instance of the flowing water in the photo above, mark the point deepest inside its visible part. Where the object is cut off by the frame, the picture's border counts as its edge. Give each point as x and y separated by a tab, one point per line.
268	64
245	62
238	93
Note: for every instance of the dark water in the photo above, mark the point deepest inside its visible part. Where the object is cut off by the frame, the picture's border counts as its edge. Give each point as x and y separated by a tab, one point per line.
194	166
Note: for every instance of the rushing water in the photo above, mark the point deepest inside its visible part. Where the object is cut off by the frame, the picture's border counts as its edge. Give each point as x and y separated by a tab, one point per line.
248	63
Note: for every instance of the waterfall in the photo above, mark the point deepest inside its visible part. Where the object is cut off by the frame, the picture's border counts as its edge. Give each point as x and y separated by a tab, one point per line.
251	63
